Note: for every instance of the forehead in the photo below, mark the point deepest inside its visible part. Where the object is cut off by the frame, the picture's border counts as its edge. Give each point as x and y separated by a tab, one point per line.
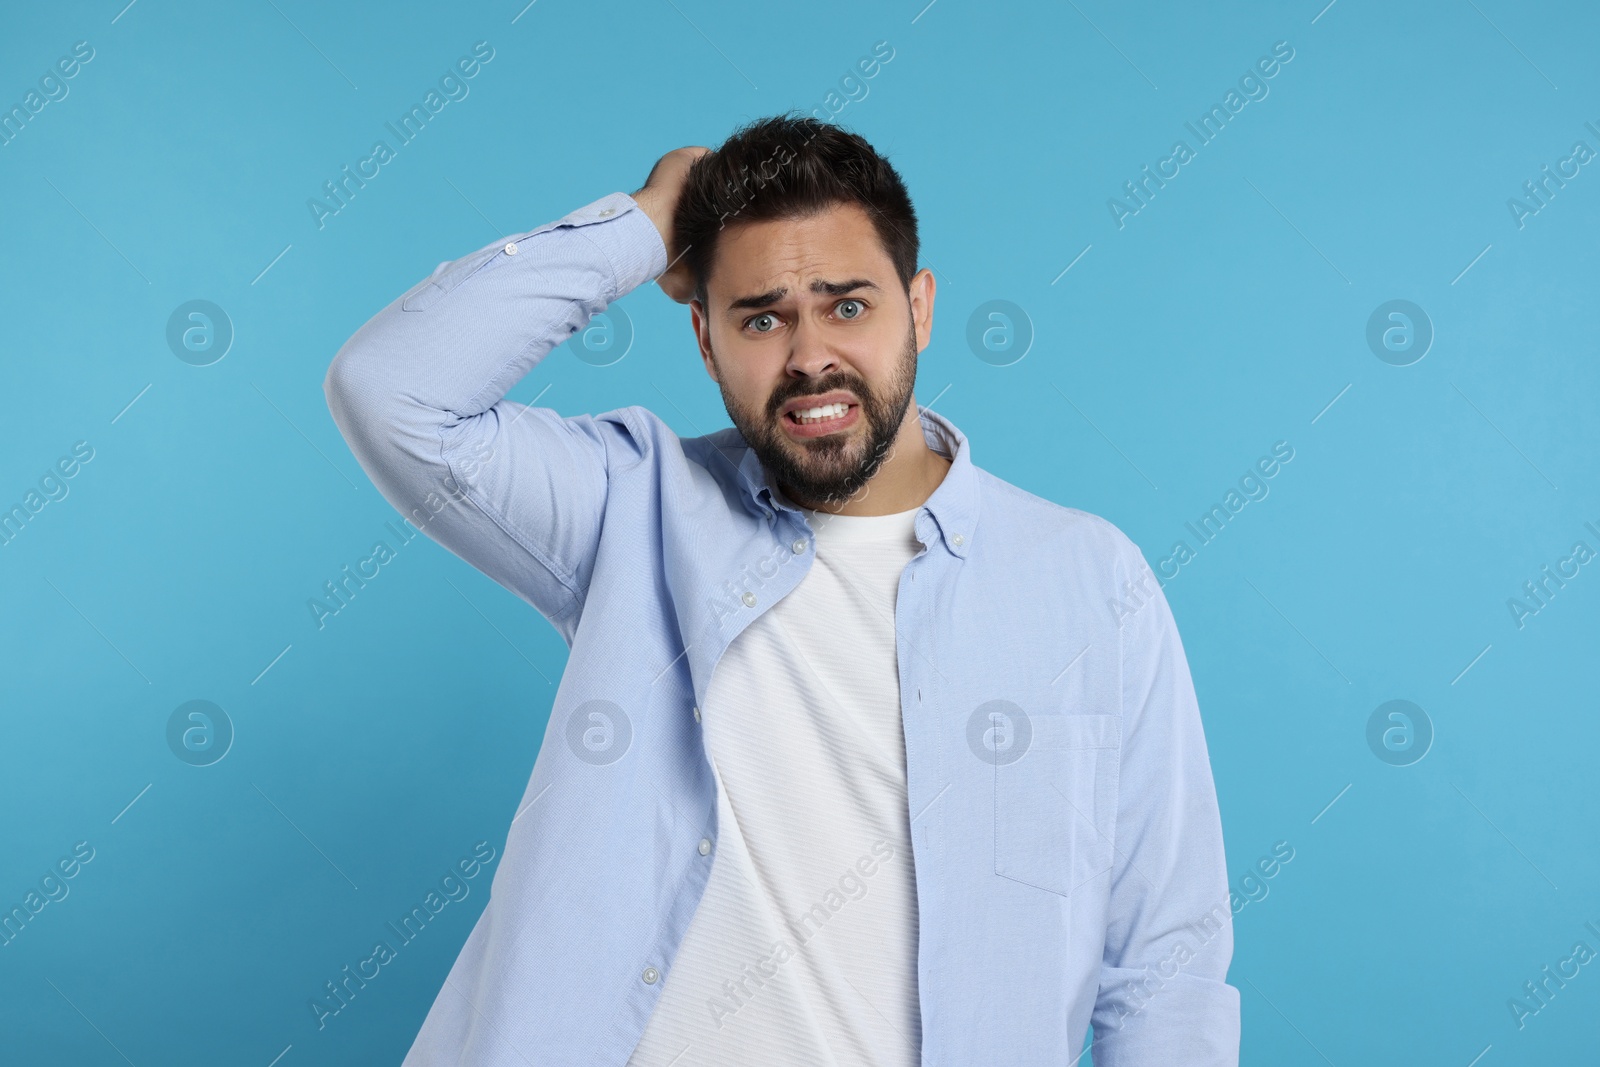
837	242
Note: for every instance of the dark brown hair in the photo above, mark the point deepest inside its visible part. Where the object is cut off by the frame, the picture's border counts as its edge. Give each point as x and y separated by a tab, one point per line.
785	167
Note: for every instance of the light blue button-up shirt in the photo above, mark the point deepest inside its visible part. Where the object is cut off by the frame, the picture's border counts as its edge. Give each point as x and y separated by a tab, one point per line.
1065	835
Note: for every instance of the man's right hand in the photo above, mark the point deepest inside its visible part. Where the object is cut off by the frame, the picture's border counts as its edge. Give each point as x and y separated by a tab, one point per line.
659	200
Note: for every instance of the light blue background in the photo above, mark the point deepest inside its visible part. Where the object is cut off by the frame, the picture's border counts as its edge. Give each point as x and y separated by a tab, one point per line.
1223	317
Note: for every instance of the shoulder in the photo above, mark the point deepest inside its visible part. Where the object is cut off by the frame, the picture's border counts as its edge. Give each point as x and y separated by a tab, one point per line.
1085	538
652	431
641	438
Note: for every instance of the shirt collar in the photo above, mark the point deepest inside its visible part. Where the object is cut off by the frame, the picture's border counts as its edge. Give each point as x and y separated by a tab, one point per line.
953	504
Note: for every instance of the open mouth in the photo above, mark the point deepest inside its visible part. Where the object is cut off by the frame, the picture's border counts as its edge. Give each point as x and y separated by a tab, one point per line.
830	417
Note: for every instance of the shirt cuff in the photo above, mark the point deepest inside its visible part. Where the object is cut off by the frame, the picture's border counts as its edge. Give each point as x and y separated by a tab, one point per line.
630	241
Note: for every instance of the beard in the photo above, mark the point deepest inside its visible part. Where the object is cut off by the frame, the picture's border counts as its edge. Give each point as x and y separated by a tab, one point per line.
819	471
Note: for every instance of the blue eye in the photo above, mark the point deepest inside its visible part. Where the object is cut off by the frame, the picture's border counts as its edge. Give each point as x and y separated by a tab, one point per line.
757	319
849	303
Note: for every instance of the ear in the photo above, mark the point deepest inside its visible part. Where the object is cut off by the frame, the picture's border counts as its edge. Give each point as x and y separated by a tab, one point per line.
702	335
921	295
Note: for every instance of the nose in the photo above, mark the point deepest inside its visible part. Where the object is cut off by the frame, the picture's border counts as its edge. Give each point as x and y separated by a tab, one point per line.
809	353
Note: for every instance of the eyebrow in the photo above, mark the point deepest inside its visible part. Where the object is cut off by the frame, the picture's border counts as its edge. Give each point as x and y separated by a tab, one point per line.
767	299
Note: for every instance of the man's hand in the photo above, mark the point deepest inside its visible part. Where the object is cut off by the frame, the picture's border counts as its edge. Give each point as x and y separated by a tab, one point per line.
659	200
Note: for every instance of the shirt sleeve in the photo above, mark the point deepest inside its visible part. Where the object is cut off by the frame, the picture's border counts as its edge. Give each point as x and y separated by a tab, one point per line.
1163	996
418	392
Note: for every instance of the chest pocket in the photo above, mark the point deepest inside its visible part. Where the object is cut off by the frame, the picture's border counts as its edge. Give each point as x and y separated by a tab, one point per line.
1055	807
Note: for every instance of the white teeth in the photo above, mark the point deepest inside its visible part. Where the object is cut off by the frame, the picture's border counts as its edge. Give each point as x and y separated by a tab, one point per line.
830	411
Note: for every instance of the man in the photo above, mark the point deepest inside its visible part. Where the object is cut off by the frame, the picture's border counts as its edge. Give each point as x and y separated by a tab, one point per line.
862	755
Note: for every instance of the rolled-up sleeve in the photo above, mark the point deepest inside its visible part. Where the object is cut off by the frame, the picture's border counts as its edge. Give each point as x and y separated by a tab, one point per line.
1163	996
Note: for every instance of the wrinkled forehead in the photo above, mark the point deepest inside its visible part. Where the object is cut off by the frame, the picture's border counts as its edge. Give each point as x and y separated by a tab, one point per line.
806	257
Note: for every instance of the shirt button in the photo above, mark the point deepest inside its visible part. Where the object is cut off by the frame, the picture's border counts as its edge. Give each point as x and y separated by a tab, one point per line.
650	975
749	600
799	546
510	248
607	211
958	539
696	714
705	846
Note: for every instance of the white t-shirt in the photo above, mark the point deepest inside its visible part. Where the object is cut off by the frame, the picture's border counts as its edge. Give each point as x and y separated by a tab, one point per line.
804	947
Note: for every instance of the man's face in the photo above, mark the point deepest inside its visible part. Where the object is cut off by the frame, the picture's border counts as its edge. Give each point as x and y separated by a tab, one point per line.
798	309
